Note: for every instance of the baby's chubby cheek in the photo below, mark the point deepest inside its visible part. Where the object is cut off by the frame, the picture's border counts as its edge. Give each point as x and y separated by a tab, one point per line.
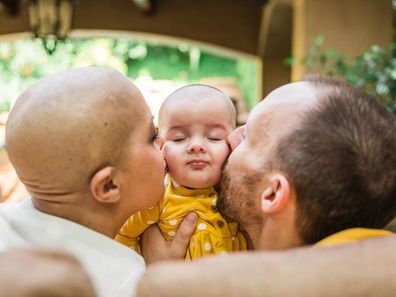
165	149
165	152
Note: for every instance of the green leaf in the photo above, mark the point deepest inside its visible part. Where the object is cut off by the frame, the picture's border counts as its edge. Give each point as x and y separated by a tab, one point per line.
319	40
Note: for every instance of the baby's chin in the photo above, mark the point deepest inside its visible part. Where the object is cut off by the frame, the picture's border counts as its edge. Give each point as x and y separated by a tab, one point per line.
196	183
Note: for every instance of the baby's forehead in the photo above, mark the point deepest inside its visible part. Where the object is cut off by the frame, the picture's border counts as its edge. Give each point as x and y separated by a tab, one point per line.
205	111
197	94
193	104
201	123
197	103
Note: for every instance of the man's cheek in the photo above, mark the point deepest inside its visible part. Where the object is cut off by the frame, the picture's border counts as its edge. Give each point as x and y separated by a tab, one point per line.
232	158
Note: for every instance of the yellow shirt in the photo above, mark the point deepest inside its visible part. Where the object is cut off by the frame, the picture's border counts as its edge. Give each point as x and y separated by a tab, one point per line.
352	235
213	234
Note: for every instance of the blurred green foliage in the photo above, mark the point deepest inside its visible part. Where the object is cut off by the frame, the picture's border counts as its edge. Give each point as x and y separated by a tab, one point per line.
373	71
24	61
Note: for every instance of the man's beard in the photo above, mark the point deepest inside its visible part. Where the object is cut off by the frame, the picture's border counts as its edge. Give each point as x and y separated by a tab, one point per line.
237	198
224	194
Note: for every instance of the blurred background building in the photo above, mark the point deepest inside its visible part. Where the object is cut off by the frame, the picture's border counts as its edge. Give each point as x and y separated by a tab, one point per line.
244	47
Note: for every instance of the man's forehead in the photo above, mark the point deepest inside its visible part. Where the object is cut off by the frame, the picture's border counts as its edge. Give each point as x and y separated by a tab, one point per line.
281	111
291	96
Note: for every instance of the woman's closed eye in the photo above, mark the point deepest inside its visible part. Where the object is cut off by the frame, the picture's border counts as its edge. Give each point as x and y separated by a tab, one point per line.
155	135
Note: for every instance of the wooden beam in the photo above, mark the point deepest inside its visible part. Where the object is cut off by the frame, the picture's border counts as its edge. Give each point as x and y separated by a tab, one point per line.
12	7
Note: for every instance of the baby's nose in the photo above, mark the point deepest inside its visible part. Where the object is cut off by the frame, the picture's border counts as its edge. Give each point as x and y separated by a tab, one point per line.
197	146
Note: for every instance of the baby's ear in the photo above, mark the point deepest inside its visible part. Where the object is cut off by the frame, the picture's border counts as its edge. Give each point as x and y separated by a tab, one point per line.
103	186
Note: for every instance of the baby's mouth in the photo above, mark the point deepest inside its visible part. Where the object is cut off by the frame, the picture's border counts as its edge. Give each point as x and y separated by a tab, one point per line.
197	164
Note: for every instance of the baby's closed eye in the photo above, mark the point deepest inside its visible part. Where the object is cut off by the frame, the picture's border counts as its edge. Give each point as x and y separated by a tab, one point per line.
214	138
178	138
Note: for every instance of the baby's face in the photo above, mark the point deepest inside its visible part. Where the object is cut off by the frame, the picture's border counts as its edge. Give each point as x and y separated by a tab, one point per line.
195	147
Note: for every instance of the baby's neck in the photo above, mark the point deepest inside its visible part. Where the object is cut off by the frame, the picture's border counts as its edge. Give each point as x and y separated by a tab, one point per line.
175	184
183	191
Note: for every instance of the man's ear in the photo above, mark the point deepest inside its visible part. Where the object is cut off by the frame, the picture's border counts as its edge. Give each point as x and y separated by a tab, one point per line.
276	196
103	186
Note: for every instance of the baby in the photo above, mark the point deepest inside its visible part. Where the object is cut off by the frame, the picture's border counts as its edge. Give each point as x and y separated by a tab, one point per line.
194	121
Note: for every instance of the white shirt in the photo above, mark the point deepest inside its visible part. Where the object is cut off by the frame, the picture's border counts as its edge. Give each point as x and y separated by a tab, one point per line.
113	268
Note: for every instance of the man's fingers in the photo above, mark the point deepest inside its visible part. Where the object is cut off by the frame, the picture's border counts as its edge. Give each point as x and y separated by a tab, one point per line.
152	235
153	245
183	236
155	248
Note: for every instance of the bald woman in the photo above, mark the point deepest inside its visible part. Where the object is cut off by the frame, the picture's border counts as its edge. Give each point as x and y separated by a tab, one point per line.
83	143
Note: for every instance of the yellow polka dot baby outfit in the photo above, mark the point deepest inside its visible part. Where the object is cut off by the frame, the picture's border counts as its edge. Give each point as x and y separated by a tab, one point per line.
213	234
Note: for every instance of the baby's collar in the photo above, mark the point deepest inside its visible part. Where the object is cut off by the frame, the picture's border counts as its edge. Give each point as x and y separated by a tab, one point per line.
184	191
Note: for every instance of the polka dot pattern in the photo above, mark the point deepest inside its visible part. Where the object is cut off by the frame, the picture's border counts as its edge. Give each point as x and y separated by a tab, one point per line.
213	234
173	222
202	226
207	246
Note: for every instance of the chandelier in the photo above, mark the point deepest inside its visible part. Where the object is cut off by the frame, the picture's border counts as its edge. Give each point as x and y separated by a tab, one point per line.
51	21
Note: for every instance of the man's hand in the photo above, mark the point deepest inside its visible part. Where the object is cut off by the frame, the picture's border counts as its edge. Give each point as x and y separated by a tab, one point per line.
155	248
329	271
42	272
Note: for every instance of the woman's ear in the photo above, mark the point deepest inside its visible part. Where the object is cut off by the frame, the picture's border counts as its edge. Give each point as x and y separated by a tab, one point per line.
103	186
277	195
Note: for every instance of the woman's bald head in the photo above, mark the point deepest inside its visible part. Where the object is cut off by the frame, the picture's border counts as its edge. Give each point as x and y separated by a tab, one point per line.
68	125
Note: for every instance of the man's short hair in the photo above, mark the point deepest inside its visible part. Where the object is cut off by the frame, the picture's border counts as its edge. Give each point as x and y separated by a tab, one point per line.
341	161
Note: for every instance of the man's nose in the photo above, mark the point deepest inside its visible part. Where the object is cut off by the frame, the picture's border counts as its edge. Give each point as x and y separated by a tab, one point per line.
197	145
236	137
